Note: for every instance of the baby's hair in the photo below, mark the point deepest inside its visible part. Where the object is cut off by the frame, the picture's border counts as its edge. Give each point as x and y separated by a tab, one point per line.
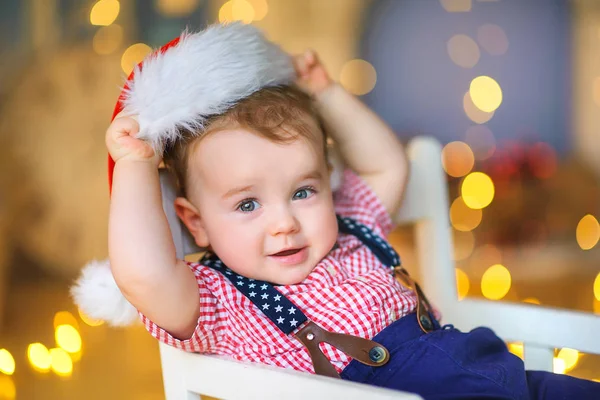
280	114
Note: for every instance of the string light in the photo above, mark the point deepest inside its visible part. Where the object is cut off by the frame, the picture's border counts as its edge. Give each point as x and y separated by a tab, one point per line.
104	12
358	77
495	282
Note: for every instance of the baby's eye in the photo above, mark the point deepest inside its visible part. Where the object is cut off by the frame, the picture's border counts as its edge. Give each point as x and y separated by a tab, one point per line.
303	193
248	205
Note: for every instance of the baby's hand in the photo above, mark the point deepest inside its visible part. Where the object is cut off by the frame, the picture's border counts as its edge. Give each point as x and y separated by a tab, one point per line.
122	143
312	76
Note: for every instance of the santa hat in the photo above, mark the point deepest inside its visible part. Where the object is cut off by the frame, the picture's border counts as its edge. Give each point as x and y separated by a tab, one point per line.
175	90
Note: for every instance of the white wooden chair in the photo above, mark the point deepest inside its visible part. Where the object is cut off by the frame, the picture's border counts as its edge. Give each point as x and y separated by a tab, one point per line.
186	375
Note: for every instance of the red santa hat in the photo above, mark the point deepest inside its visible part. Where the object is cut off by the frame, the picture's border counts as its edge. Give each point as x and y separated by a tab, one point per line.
172	91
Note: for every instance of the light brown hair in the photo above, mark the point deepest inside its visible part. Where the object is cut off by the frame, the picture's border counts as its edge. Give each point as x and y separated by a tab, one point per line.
280	114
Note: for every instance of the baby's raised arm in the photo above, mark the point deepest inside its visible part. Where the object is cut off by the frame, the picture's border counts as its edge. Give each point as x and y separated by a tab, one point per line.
366	142
141	249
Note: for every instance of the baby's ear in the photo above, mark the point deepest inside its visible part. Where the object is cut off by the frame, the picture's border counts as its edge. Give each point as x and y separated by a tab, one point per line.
190	216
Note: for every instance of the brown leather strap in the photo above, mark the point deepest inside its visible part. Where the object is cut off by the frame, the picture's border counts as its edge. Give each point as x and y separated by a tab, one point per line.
423	305
363	350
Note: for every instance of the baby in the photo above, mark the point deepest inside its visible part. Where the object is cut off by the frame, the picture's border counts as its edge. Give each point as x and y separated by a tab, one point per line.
284	250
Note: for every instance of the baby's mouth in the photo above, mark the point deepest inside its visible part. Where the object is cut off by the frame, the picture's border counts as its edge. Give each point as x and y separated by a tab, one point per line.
286	253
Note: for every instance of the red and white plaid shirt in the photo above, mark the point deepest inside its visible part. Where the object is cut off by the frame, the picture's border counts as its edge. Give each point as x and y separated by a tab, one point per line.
349	291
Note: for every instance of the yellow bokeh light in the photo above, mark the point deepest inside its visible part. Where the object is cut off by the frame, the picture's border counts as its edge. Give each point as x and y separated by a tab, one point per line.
68	338
464	242
7	362
237	10
88	320
65	318
477	190
104	12
558	365
597	287
485	93
596	90
358	77
60	362
456	5
474	113
107	39
516	348
175	8
462	283
8	390
569	356
532	300
464	218
75	356
495	282
39	357
133	56
457	159
463	51
596	306
587	232
261	9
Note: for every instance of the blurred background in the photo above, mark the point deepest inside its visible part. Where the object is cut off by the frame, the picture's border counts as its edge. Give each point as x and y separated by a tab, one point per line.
511	88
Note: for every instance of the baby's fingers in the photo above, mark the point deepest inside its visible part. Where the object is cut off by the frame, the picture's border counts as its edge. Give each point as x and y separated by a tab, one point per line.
125	126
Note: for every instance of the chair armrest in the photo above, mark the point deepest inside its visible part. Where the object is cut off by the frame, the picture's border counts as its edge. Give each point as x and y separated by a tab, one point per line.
229	379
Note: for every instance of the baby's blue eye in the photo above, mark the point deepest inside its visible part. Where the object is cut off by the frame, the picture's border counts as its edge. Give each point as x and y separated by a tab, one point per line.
248	205
303	193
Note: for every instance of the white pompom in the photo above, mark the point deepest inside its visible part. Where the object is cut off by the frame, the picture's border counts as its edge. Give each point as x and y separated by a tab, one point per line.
97	295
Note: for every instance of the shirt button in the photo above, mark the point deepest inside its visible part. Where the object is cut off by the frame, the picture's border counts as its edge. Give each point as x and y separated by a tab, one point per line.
331	271
392	314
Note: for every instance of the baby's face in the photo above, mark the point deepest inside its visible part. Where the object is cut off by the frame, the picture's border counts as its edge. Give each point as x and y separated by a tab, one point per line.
266	207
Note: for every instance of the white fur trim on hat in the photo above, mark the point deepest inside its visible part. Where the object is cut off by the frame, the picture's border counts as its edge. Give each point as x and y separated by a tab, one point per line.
97	295
204	74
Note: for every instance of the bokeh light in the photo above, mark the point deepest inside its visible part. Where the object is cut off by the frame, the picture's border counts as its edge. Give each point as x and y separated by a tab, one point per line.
65	318
495	282
237	10
104	12
481	141
477	190
175	8
485	93
587	232
8	389
516	349
68	338
464	218
261	9
134	55
463	51
569	356
462	283
107	39
532	300
493	39
7	362
456	5
597	287
358	76
464	242
558	365
39	357
474	113
457	159
60	362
